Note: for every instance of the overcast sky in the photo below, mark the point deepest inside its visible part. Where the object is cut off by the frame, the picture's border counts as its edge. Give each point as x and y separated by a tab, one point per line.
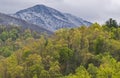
91	10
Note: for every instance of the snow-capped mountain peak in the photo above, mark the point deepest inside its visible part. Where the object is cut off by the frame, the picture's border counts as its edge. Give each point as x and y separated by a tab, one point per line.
50	18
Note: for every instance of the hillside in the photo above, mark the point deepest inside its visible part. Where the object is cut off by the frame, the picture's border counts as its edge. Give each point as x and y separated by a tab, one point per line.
7	20
84	52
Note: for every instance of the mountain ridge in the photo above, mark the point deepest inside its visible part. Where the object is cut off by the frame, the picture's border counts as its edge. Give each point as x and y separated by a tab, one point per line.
50	18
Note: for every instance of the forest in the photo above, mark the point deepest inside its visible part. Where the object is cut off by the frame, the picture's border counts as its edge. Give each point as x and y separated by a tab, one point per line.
84	52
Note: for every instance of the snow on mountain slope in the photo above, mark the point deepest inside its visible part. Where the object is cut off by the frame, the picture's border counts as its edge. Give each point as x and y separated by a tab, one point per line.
7	20
50	18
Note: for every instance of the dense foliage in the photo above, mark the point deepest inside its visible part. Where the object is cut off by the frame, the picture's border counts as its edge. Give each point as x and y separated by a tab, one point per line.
84	52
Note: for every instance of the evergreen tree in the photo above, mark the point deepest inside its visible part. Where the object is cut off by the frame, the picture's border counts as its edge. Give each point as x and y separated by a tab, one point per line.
111	23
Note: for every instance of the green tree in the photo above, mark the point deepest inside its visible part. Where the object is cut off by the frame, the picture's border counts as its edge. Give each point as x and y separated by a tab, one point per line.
13	34
111	23
33	66
81	72
92	70
4	36
65	57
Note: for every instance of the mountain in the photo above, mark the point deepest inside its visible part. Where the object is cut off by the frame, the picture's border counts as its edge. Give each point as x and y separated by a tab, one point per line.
9	20
50	18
